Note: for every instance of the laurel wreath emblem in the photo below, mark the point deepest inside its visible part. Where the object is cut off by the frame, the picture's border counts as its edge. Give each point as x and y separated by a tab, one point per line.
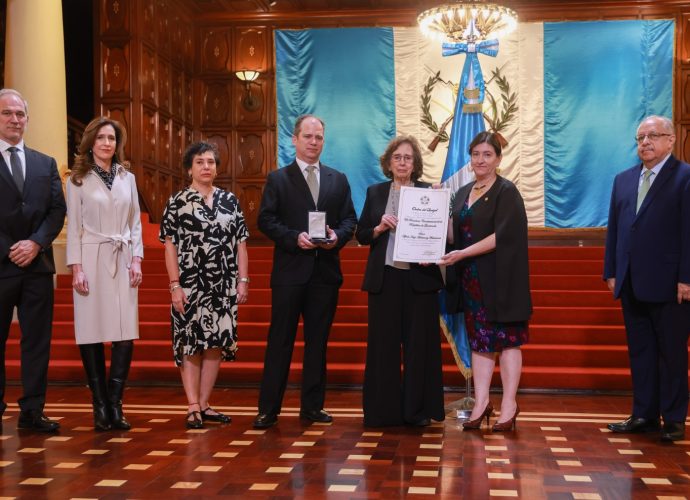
499	114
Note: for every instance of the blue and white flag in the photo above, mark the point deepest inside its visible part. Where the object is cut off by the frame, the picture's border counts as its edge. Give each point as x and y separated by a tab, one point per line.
576	105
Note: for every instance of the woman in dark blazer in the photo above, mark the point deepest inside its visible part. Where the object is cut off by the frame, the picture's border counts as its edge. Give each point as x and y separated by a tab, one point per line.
403	306
489	233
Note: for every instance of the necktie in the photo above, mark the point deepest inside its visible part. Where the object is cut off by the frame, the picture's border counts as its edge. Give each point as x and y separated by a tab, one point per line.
313	183
16	165
644	188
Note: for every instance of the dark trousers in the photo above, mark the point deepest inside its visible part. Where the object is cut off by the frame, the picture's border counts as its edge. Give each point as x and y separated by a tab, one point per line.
399	319
657	335
32	294
316	302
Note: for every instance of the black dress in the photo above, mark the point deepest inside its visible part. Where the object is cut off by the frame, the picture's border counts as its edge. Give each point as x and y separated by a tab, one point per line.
206	240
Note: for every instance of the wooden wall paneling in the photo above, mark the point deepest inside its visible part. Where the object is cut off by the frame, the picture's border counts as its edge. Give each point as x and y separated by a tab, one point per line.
115	19
683	34
215	50
177	146
249	195
216	104
252	49
222	142
164	86
163	192
120	111
176	40
148	24
115	69
251	153
684	91
685	140
262	94
188	138
188	98
163	26
164	140
149	133
188	46
177	184
148	188
178	101
147	75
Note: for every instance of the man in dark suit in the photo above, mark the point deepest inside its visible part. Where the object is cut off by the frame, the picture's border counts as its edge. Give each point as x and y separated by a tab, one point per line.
306	275
32	213
647	266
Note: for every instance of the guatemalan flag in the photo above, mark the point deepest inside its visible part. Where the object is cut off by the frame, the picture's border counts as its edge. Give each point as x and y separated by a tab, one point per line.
566	96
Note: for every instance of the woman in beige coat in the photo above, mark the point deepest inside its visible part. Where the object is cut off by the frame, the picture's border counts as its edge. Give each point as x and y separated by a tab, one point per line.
104	252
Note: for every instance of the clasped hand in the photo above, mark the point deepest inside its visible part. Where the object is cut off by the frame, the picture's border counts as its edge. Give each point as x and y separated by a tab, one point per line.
23	252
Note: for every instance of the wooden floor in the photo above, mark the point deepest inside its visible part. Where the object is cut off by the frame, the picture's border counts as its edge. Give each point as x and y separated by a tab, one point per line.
561	449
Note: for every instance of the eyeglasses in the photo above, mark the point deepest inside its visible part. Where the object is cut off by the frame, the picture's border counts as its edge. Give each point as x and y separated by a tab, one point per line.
401	158
652	137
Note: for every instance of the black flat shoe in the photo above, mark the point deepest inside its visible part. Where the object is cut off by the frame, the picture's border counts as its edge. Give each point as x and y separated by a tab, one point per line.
673	431
215	416
195	422
634	424
265	420
316	416
35	420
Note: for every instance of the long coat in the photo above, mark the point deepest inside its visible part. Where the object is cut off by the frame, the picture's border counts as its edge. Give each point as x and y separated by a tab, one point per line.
103	235
503	273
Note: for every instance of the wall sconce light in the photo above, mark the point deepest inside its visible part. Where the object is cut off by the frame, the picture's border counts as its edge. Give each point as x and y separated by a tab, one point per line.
247	76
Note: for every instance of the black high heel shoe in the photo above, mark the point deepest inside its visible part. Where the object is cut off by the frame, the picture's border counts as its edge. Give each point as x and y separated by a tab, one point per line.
508	425
477	422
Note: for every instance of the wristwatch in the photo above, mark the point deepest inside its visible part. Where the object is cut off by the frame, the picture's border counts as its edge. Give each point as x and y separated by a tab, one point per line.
244	280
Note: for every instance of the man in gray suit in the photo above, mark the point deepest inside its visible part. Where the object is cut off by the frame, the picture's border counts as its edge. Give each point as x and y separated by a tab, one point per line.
32	213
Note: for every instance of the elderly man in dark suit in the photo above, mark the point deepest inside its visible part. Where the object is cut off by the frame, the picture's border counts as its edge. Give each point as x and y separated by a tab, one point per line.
306	274
32	213
647	266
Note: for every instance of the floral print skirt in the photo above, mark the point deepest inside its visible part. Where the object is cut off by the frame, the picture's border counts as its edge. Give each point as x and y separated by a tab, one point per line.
485	335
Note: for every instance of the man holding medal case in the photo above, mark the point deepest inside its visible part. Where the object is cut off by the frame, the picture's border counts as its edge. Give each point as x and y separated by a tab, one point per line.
307	211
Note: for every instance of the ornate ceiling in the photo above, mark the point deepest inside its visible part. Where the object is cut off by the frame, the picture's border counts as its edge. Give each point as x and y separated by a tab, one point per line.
279	8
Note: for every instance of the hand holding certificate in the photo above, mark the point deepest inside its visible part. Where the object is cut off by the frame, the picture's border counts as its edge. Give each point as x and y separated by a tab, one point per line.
422	225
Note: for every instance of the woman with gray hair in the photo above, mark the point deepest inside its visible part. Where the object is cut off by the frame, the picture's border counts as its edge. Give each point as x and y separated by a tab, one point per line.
403	306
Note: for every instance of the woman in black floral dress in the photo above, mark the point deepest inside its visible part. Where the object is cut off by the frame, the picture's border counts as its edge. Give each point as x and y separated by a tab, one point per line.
490	237
204	234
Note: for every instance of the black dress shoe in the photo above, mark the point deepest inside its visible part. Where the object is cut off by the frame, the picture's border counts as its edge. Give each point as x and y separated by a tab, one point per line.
35	420
635	424
316	416
265	420
673	431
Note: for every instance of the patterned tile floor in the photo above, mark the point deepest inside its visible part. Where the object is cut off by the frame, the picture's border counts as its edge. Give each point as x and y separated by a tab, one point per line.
561	449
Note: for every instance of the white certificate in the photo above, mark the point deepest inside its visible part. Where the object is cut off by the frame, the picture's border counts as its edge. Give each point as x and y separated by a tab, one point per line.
422	225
